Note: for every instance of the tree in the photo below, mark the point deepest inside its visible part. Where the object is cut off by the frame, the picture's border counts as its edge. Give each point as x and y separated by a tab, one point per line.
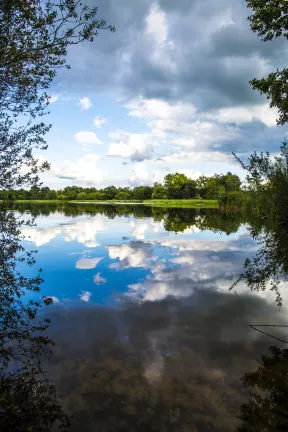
123	196
267	409
51	195
189	190
110	192
159	192
231	182
174	185
142	193
81	196
35	36
270	20
268	183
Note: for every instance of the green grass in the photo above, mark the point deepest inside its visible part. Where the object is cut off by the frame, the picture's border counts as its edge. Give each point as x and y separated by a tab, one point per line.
192	203
108	201
36	201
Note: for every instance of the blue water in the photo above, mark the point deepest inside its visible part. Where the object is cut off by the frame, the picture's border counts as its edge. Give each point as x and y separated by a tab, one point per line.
99	260
148	336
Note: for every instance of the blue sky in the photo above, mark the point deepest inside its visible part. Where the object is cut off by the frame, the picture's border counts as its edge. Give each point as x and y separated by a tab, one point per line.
169	91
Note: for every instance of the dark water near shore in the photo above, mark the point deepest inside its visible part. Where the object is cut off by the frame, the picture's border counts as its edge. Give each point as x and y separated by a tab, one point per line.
148	335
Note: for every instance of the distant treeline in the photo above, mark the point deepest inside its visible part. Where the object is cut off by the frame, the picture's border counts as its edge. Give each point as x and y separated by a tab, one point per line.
175	186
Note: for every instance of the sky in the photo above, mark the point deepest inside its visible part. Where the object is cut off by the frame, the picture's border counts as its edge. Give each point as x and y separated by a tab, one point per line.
168	92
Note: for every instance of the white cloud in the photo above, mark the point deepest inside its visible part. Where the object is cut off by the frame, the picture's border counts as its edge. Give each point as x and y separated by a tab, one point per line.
158	109
85	103
85	296
142	177
87	263
82	230
136	147
130	256
180	124
195	157
53	98
139	228
156	24
86	137
84	169
99	121
245	114
162	50
98	279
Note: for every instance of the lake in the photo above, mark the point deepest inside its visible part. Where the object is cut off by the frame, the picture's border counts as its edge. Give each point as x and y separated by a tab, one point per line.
148	335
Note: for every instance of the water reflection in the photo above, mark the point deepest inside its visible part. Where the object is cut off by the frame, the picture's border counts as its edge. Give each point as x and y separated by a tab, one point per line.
162	365
148	335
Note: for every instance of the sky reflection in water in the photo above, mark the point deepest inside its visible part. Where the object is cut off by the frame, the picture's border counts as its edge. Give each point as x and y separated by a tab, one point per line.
168	349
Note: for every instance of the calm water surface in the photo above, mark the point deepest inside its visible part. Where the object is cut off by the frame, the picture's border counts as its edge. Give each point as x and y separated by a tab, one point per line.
148	335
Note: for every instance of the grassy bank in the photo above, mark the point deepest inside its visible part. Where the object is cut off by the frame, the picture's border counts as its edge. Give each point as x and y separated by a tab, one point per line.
193	203
183	203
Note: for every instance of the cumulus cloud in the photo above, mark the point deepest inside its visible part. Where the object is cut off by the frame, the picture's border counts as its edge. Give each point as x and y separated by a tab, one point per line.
82	230
87	263
142	177
136	147
85	296
135	254
85	103
139	228
98	279
85	169
99	121
86	137
240	115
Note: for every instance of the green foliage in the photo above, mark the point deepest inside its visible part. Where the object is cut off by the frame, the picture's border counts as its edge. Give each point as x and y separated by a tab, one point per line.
175	184
268	185
235	200
142	192
159	192
35	37
267	408
81	196
270	20
122	196
182	203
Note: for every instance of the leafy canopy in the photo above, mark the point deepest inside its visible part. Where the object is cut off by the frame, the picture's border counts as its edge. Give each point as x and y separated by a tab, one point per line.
270	20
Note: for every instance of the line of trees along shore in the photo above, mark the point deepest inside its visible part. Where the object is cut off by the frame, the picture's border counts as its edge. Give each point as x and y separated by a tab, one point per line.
175	186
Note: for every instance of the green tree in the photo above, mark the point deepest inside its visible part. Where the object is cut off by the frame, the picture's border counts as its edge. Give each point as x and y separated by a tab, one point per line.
190	189
110	192
231	182
81	196
51	195
159	192
97	195
270	20
34	38
142	193
267	408
122	196
174	185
